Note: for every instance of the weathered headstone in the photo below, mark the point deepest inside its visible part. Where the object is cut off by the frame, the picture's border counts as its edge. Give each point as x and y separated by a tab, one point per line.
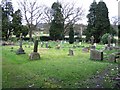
35	55
42	44
80	43
92	47
46	44
109	40
58	46
20	50
71	53
92	43
96	55
92	40
86	49
112	58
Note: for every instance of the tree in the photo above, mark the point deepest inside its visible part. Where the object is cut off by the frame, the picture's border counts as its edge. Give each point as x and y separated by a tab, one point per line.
71	14
91	21
98	21
17	23
102	21
7	12
32	13
57	25
25	30
71	34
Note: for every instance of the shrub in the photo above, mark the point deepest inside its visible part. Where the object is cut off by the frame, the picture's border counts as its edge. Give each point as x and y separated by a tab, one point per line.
104	39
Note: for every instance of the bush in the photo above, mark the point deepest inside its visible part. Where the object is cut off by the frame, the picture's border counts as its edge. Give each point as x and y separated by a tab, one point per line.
104	39
45	38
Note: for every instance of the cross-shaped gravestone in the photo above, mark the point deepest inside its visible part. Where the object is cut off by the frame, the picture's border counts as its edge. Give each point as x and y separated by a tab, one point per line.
35	55
20	50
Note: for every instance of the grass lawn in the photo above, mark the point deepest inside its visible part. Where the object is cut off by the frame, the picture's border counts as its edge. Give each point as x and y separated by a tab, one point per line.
55	69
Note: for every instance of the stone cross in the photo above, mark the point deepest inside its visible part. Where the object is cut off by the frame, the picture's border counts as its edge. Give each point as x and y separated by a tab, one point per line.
109	40
21	40
92	40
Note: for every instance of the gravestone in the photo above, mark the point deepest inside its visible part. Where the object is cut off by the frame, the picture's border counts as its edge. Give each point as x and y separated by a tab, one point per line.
71	53
46	44
92	40
112	58
96	55
58	46
35	55
92	47
42	44
86	49
92	43
20	50
80	43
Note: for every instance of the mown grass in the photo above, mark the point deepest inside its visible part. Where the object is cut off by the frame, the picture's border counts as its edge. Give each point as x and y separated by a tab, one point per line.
55	69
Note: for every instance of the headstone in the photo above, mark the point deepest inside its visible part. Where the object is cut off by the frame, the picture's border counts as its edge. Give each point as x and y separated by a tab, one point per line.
58	46
71	53
80	43
92	40
46	44
20	50
92	47
42	44
86	49
109	40
113	44
96	55
35	55
112	58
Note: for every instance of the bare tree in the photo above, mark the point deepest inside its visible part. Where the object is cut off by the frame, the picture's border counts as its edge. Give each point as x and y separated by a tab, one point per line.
70	13
115	20
32	13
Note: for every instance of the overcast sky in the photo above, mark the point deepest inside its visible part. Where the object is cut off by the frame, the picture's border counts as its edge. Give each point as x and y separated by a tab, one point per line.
111	4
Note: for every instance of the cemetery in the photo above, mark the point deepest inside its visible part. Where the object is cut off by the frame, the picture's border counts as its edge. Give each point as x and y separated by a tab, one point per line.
47	57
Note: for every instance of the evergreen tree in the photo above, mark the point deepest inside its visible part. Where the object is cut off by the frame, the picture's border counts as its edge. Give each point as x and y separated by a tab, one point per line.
71	34
7	12
17	23
57	24
91	20
102	21
98	21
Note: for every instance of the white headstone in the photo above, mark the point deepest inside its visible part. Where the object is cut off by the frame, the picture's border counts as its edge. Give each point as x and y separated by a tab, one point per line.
95	44
79	43
113	44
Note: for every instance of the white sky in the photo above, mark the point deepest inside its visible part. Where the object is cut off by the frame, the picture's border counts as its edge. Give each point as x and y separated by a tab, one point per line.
111	4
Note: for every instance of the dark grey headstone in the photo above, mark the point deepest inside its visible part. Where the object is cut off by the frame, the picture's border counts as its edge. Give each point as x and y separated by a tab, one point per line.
20	51
46	44
92	47
96	55
71	53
